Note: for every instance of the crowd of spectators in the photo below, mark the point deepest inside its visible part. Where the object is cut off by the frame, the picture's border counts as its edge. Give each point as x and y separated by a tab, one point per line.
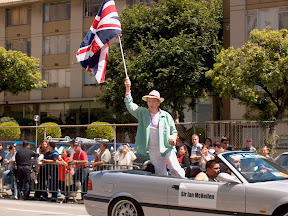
68	173
205	155
49	173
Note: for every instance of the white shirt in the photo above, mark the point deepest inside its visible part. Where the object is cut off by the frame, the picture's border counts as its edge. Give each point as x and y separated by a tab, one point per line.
154	132
125	159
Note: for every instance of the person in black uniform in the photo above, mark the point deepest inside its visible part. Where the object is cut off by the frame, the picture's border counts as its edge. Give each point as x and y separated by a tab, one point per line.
24	162
51	170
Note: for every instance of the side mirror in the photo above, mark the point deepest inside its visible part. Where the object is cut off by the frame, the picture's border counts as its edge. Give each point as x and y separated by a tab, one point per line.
225	177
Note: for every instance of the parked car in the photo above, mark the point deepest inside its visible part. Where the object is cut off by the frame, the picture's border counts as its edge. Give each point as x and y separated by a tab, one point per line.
282	160
64	143
17	144
245	192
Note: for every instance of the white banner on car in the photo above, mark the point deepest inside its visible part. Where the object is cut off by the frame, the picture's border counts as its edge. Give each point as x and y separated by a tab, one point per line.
198	195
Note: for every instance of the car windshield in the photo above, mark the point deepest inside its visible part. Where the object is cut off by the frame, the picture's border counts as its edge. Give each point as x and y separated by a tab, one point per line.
282	160
91	150
256	168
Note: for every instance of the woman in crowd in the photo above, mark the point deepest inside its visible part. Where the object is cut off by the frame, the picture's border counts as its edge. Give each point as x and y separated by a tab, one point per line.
125	157
208	144
65	172
41	185
183	156
205	156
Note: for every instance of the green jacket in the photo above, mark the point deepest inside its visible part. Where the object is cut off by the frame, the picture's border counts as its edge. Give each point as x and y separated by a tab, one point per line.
166	127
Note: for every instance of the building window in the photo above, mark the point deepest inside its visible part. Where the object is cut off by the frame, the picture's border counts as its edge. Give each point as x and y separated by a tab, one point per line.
134	2
58	44
18	16
23	45
56	11
57	78
89	78
276	18
91	7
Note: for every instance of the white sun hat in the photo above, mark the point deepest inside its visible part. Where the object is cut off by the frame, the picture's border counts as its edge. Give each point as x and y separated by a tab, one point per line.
153	94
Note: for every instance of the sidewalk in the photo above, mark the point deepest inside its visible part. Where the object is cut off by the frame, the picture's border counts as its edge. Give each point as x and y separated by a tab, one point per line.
6	193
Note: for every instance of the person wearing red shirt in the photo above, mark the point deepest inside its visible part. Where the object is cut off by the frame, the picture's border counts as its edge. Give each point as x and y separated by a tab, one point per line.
80	160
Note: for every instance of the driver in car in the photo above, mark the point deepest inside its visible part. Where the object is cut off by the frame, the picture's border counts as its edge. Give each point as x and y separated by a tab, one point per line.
212	171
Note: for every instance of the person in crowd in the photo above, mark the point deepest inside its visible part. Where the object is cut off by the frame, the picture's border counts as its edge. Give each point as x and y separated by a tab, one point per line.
71	148
265	153
51	170
248	146
80	160
102	155
155	127
65	172
205	157
236	162
10	173
41	186
2	153
208	144
212	171
218	149
180	142
195	150
24	161
225	144
183	156
125	157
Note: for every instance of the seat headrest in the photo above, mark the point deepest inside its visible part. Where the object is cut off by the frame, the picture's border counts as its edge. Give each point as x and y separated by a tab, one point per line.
192	171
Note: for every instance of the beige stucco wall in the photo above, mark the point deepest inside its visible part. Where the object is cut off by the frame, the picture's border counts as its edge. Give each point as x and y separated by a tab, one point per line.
237	111
237	22
237	39
36	41
57	61
18	32
76	37
257	4
2	27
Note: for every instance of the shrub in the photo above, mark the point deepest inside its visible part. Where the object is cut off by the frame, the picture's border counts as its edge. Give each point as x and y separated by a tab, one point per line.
7	119
105	132
54	132
9	133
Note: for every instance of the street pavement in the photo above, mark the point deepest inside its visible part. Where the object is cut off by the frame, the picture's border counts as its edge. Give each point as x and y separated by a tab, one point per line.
35	208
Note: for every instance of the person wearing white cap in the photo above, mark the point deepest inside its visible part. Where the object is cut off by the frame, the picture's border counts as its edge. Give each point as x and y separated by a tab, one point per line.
156	132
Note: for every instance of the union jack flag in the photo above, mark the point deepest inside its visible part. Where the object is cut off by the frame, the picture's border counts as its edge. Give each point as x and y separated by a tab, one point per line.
93	51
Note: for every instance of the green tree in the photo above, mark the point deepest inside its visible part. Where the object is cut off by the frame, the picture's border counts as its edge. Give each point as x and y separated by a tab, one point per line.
168	47
9	133
256	74
104	132
19	72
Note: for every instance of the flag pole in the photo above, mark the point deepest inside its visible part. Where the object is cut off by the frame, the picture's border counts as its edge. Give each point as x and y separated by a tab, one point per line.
123	56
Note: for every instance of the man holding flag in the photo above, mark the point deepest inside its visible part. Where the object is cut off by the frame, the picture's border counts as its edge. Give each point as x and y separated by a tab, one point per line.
93	51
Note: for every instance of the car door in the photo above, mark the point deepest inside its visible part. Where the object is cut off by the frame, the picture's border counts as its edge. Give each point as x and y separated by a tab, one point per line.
199	198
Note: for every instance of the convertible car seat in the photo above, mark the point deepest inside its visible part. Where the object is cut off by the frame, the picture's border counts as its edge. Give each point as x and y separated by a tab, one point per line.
192	171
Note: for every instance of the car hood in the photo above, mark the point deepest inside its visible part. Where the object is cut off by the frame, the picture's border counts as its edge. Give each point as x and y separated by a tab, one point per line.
279	185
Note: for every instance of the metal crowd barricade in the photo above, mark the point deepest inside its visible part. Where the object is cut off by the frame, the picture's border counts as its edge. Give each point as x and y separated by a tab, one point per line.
55	178
3	185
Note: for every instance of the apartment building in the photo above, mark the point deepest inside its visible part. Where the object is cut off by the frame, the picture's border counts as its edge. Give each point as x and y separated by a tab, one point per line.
242	16
52	31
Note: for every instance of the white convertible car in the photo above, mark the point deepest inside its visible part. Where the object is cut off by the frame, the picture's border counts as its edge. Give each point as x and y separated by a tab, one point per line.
249	184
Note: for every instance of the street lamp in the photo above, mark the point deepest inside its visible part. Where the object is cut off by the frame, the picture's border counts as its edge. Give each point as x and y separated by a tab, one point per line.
36	119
